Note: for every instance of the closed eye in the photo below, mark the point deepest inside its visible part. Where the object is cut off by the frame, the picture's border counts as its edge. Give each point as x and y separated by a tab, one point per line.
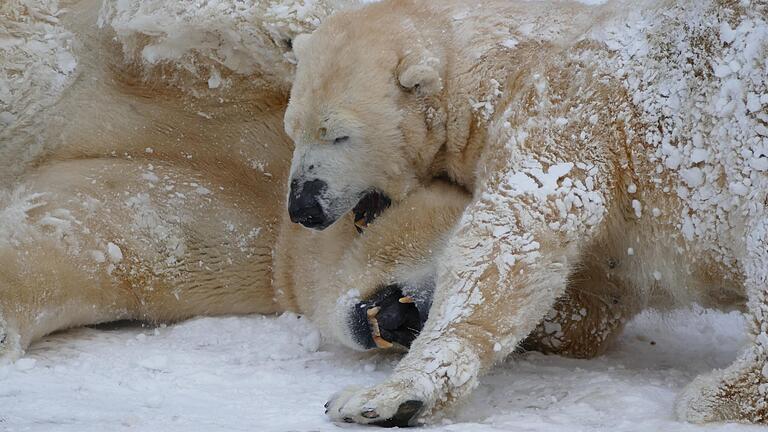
341	140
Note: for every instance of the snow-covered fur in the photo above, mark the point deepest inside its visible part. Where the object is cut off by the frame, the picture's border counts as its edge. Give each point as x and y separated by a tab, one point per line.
212	41
37	65
625	145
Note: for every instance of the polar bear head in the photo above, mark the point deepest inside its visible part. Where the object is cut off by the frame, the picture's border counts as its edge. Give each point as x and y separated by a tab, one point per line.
360	113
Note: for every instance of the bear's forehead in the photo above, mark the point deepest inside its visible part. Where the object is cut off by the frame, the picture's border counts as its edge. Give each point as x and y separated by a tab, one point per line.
356	36
328	75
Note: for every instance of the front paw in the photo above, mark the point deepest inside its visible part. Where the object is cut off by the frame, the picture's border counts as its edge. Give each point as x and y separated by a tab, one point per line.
389	318
395	403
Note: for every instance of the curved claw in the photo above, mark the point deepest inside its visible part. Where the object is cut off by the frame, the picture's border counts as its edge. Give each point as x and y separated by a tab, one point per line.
376	332
382	343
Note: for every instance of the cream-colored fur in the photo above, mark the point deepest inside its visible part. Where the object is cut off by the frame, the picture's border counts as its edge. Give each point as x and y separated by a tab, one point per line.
156	197
622	144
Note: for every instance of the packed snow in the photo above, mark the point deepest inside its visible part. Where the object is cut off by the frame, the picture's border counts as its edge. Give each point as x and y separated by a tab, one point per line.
261	373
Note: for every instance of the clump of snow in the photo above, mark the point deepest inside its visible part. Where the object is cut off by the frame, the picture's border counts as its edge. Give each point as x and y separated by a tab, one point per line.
114	252
14	212
25	364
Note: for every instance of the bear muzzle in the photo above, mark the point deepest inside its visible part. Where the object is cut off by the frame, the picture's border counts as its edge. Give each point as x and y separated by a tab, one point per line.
304	204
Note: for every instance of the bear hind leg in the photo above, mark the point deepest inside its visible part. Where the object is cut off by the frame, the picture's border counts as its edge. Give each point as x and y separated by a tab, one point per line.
585	321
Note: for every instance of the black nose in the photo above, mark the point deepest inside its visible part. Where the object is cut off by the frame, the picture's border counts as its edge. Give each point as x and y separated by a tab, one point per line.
304	205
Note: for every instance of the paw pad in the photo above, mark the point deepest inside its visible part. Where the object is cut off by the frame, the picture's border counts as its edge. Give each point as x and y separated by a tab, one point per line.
387	319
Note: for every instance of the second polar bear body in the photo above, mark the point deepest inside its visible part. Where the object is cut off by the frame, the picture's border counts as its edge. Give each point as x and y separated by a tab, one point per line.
625	141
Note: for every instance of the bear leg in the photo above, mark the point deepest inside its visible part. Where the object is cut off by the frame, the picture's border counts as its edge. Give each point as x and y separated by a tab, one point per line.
739	393
584	322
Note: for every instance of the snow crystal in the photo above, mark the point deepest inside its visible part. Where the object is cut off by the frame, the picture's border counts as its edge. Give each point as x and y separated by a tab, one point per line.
533	179
98	256
510	43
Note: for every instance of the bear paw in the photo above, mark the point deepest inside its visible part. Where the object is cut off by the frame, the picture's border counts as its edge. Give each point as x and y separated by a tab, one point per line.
395	403
389	318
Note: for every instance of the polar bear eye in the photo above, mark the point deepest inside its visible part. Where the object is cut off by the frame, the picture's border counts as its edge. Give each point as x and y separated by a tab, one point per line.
341	139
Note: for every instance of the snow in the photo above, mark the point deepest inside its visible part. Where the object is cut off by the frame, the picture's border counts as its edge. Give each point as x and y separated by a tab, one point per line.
114	252
261	373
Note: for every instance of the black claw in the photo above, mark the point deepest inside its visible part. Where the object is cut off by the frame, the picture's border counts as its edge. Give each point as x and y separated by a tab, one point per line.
406	415
327	404
348	420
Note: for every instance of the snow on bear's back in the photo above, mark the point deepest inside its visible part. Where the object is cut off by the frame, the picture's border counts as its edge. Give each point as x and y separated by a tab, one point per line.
215	41
696	70
36	65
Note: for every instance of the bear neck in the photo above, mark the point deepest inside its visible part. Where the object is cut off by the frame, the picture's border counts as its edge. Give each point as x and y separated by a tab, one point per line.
478	62
467	117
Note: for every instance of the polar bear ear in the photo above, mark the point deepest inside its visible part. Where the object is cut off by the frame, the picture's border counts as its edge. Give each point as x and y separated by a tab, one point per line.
420	78
299	44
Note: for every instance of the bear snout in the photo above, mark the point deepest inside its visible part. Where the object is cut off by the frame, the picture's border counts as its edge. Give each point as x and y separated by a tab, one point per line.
304	204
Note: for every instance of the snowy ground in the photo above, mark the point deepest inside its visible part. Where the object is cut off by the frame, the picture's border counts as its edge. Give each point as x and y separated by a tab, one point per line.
273	374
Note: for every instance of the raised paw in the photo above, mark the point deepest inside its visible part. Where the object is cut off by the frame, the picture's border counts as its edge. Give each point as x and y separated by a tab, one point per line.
392	404
389	318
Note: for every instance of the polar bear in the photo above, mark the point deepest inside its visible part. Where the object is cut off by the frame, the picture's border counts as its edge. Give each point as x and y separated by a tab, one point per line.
621	147
146	172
